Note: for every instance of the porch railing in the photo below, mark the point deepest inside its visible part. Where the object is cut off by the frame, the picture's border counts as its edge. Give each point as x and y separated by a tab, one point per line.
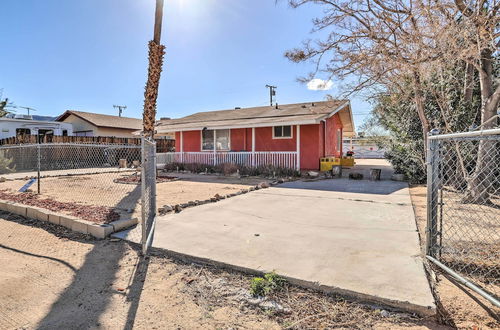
283	159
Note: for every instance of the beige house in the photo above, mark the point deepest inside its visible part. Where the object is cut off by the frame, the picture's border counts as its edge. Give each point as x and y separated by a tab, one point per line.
94	124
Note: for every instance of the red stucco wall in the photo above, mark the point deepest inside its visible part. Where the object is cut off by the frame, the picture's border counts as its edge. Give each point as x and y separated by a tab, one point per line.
332	124
310	146
264	140
314	141
192	141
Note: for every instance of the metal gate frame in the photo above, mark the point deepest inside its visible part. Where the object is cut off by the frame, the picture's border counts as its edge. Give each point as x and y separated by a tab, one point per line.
148	193
436	202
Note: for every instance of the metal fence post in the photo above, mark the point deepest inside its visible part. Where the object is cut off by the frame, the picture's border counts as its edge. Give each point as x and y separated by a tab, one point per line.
38	169
432	192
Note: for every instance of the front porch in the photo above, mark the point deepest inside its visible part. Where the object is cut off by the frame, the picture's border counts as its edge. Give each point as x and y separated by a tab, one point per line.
283	159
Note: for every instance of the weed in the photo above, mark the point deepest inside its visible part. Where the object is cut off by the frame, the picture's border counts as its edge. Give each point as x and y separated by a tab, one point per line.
262	286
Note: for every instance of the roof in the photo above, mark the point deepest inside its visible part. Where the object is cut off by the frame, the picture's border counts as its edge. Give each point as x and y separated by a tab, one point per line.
101	120
288	114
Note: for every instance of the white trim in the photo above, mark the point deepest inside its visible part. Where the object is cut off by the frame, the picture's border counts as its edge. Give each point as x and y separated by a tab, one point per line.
282	137
298	147
253	146
199	128
182	145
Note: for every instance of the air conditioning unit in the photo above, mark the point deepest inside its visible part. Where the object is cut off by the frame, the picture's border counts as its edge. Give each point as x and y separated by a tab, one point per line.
24	117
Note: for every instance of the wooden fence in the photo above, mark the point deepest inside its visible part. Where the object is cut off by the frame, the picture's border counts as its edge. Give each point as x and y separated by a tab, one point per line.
162	145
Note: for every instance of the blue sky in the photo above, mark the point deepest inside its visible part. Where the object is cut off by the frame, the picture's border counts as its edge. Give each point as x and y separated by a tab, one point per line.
91	54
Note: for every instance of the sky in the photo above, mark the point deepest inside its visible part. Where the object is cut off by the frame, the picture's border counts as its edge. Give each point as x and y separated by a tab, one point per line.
91	54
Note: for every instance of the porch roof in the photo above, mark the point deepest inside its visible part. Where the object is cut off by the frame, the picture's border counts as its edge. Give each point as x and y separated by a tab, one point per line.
289	114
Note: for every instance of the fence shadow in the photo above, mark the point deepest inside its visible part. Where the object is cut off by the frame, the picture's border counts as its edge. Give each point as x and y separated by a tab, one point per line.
78	308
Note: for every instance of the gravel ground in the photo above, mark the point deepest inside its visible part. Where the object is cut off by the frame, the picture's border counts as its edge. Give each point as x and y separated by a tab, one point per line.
54	278
102	190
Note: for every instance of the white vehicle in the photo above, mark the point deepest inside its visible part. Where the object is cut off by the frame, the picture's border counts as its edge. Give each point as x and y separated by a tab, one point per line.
25	125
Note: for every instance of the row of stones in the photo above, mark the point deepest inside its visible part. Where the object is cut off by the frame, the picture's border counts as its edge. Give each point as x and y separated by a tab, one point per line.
68	221
179	207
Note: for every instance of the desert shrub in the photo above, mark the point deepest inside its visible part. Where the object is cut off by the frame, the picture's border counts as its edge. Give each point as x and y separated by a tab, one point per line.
6	164
231	168
262	286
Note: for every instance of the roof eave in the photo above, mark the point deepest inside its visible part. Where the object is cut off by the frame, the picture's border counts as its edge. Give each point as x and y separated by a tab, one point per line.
161	129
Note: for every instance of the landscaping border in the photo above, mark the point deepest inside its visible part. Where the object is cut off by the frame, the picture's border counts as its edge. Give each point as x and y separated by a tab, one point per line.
81	226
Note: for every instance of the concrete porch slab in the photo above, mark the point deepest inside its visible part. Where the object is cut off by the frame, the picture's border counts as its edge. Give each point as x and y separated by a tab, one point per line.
356	238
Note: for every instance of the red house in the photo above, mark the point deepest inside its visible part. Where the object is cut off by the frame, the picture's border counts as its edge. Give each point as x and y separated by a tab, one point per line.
291	135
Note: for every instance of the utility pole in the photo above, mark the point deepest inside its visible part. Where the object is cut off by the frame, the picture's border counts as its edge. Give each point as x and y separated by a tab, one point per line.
156	52
120	109
272	94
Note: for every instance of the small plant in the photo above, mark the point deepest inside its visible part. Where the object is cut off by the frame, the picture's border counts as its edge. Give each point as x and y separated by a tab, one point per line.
262	286
258	287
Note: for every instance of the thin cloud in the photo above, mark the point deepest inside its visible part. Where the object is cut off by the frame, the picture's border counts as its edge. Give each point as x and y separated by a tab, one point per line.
319	85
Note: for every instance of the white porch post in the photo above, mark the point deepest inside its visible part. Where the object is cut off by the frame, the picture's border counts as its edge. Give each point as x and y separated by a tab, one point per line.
298	147
215	147
253	146
182	147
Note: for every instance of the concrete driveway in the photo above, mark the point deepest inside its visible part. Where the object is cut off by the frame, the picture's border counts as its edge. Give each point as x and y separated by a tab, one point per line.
357	238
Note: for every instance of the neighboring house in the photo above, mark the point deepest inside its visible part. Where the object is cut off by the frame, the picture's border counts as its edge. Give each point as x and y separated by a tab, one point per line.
363	147
292	135
25	125
94	124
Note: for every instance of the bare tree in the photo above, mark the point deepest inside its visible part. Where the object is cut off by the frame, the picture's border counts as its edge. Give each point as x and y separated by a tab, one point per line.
385	43
381	43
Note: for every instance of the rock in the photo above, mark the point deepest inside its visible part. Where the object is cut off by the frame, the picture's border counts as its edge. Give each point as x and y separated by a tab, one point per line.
2	179
313	174
264	185
129	210
217	196
191	203
251	188
355	176
177	208
398	177
168	208
257	187
384	313
213	199
281	181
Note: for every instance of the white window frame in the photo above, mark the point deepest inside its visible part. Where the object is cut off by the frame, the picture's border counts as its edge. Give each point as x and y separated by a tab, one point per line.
215	140
283	137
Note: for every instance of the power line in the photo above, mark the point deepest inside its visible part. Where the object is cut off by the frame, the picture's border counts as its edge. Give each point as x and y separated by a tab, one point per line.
272	94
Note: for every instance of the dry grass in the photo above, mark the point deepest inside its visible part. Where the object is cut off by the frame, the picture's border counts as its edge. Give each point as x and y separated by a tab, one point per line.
461	307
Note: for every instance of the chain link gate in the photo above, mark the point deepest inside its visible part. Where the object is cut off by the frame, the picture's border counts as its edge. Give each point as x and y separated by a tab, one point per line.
463	209
148	193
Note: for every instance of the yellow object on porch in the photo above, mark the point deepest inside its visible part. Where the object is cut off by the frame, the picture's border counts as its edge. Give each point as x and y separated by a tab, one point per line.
327	163
347	161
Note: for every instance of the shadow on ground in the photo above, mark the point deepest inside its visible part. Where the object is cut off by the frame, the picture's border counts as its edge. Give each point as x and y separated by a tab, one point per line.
73	309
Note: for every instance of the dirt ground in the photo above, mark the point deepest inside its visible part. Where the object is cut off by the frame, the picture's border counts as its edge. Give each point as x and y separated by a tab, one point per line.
460	308
53	278
100	189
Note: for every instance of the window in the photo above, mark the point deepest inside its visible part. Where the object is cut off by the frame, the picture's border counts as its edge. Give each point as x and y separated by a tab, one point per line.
23	131
282	132
65	132
220	137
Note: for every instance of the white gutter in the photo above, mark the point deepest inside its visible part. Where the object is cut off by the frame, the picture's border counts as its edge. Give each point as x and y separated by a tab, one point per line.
159	129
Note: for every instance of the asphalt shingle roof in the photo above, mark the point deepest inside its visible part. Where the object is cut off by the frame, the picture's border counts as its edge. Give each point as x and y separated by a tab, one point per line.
101	120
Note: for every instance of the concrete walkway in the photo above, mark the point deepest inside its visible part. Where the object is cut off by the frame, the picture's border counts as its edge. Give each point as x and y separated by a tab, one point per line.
357	238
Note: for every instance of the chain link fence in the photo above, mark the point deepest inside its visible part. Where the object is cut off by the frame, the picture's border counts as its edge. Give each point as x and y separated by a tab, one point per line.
148	196
100	181
463	220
